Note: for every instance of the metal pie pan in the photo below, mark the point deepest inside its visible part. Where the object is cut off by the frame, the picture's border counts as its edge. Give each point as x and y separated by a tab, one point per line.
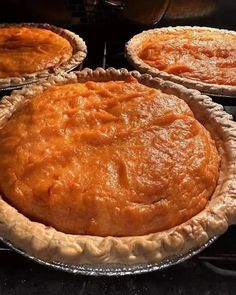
113	269
20	85
221	96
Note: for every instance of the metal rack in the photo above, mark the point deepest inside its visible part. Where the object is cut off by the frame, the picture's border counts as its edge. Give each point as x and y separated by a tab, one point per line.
94	11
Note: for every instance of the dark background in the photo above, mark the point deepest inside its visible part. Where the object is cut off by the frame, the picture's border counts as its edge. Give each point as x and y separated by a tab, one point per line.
105	33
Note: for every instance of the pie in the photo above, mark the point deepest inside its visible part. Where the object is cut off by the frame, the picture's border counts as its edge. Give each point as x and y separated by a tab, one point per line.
104	160
196	57
114	167
29	52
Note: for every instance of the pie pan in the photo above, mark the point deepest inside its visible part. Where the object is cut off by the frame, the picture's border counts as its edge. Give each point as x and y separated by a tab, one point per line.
106	255
132	49
114	269
79	54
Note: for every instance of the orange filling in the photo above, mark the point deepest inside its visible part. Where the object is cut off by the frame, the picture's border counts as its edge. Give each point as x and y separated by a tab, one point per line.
199	55
107	158
26	50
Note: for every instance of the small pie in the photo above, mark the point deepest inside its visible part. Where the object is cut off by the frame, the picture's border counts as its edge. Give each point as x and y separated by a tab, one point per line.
114	167
196	57
29	52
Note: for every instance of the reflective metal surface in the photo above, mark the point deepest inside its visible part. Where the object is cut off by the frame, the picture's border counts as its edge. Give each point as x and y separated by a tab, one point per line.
113	269
19	86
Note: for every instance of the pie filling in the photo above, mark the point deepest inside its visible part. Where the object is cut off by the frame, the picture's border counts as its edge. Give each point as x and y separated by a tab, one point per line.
107	158
25	50
205	56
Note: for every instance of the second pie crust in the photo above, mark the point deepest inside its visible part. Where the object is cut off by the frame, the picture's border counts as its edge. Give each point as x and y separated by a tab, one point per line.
132	47
48	244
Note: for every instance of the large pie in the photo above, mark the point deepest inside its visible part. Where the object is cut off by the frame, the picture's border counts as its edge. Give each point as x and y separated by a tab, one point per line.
196	57
29	52
113	166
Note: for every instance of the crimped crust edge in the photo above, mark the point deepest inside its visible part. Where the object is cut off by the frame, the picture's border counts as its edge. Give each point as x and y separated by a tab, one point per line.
48	244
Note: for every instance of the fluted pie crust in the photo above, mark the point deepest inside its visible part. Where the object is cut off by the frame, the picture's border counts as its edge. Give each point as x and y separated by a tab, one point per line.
48	244
78	55
132	50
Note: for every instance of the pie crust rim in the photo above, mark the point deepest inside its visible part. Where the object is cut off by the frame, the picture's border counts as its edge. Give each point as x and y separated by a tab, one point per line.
50	245
78	55
132	57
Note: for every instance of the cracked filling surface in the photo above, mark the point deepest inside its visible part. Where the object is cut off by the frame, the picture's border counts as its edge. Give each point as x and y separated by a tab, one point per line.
204	56
107	158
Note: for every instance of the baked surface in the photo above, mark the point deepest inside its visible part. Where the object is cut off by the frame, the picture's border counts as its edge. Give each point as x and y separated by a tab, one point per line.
107	158
25	50
207	56
199	58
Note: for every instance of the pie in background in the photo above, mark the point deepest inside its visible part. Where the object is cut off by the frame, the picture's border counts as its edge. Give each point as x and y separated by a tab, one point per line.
197	57
32	51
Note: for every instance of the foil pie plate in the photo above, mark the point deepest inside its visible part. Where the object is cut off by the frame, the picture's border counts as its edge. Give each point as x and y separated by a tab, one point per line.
21	85
113	269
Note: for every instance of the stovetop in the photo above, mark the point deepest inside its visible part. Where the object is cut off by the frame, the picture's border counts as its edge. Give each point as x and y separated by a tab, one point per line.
213	271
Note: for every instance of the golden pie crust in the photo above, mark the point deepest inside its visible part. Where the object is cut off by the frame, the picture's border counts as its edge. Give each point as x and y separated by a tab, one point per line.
57	50
48	244
197	57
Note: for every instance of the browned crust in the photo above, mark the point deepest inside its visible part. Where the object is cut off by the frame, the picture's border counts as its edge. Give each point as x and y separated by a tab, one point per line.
79	54
50	245
133	45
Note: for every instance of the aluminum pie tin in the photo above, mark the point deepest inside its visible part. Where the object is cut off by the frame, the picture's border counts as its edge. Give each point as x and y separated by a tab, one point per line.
222	96
21	85
113	269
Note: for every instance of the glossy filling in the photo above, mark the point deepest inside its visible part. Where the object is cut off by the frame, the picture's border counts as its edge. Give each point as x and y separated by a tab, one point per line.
205	56
26	50
107	158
